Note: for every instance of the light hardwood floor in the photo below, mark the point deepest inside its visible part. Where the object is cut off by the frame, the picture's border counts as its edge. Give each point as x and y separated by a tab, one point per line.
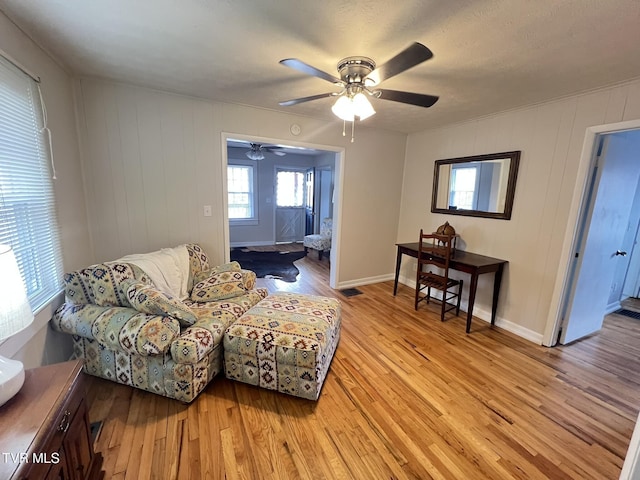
407	396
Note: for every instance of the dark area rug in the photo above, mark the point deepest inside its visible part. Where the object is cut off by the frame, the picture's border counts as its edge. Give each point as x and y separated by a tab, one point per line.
269	264
628	313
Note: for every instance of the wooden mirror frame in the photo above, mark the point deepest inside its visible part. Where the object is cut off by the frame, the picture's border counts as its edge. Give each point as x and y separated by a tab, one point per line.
514	158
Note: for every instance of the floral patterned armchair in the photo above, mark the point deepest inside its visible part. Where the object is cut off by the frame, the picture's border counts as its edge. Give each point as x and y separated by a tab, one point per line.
321	241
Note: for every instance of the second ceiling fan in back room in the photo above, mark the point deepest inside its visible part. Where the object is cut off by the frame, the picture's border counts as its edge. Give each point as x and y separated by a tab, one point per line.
257	151
359	79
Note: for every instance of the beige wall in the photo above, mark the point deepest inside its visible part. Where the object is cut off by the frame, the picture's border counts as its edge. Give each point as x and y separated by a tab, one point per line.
153	159
264	232
38	344
550	137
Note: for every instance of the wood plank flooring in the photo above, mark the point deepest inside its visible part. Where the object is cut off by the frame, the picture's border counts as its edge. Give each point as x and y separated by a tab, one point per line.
407	397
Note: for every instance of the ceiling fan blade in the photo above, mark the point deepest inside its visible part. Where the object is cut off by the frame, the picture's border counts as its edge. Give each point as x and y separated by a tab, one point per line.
274	149
295	101
411	56
309	70
418	99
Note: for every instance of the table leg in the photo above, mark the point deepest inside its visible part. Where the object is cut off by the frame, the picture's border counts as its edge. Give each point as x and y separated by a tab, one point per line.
496	291
395	282
472	298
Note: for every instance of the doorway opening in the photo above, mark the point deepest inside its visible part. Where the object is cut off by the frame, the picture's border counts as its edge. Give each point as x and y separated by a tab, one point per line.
602	218
585	226
282	198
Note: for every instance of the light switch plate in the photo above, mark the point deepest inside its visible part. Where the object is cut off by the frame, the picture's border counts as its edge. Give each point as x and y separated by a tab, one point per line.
207	210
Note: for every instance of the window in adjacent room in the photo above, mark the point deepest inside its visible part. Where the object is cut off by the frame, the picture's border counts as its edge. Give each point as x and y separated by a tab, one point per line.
241	190
289	188
27	204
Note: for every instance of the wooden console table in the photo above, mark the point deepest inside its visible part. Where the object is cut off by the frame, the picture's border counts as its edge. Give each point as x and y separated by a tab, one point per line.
44	429
467	262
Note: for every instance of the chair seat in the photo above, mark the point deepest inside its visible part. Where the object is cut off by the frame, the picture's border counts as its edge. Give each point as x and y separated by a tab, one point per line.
320	242
317	242
430	279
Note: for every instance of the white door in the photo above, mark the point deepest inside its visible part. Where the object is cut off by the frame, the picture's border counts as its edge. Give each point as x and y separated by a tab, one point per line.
289	224
290	205
614	188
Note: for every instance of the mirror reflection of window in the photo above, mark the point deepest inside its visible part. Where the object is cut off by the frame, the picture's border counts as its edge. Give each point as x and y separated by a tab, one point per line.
463	193
479	185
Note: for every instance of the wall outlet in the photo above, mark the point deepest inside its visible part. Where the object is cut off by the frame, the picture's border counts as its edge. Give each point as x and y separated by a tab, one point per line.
207	210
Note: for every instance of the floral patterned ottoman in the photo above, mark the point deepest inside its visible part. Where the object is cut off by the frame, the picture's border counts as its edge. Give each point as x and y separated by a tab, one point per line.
285	343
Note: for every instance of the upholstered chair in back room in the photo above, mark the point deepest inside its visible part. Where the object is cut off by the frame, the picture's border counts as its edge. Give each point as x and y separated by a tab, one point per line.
321	241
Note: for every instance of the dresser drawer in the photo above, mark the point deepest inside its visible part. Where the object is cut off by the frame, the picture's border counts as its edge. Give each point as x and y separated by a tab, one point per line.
50	436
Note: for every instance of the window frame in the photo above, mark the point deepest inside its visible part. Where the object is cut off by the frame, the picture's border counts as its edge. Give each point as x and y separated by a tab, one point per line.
253	166
28	221
474	193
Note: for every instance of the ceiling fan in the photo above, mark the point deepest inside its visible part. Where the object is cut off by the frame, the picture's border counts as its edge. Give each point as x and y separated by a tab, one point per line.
257	151
359	78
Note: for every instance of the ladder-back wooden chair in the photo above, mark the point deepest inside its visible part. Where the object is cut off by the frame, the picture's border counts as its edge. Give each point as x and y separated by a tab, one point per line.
434	253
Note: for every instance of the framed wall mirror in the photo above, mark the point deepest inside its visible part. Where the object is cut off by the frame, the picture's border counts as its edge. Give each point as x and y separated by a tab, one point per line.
477	186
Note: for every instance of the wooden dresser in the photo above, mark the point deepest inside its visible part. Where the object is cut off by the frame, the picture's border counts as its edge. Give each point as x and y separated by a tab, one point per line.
44	429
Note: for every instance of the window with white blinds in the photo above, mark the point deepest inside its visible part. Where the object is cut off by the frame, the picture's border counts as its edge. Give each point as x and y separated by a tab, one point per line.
240	186
27	205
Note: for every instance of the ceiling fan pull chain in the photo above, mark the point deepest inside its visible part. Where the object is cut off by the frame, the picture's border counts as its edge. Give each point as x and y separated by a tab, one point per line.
344	128
353	129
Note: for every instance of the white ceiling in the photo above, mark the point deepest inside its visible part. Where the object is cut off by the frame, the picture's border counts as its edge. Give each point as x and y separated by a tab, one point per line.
490	55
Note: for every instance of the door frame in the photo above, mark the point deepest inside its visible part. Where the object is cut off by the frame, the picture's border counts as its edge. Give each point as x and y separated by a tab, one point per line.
574	220
631	465
334	273
310	223
633	268
319	197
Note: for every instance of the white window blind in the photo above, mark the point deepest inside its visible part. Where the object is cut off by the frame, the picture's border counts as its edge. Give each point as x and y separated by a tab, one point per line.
27	205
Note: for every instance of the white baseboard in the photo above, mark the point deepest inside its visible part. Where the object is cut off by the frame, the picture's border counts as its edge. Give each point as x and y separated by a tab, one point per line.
519	330
365	281
485	316
250	244
263	243
612	307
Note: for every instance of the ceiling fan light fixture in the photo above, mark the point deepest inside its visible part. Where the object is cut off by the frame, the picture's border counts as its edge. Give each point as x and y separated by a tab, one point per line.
358	75
255	155
347	108
343	108
362	107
